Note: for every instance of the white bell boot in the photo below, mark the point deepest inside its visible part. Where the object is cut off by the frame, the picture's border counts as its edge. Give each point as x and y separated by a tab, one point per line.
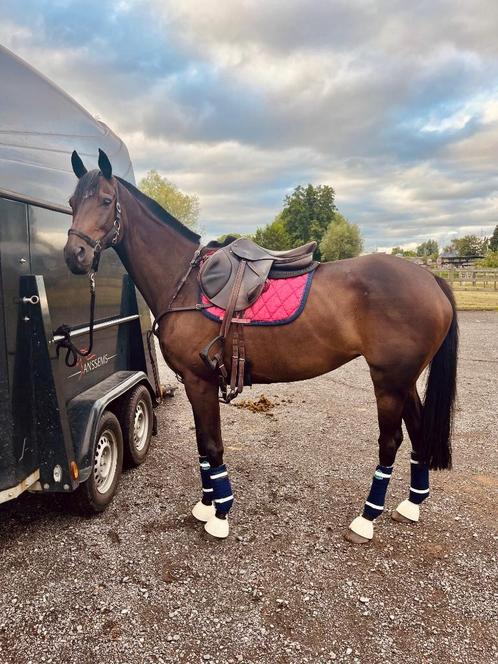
203	512
362	527
409	510
217	527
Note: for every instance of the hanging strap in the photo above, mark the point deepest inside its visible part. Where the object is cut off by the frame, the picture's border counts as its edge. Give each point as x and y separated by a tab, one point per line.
72	352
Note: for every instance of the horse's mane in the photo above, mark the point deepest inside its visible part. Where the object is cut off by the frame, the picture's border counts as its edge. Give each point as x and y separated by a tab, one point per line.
159	212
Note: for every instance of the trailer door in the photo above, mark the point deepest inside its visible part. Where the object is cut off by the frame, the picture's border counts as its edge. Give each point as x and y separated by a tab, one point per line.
18	453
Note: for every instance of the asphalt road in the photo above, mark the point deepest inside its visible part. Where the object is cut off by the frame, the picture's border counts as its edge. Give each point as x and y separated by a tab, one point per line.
142	584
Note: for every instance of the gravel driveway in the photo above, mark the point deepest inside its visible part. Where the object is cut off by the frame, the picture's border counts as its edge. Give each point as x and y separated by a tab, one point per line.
142	584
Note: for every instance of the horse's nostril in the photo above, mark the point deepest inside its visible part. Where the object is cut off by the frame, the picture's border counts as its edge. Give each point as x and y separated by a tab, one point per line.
79	252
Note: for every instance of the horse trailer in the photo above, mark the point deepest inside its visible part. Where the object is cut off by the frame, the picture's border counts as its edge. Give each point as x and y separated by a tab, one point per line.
66	420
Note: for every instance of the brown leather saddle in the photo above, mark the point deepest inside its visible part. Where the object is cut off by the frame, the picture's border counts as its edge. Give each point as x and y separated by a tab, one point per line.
218	273
232	278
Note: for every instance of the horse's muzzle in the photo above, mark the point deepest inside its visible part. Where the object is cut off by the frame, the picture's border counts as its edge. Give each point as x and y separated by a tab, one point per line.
78	256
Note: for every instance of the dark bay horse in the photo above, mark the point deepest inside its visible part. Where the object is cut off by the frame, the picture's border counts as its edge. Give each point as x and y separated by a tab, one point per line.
395	314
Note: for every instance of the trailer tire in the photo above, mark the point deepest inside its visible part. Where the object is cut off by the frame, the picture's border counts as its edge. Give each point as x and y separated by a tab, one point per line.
94	495
137	423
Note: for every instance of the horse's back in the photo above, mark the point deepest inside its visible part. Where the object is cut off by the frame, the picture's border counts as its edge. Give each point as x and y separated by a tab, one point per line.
380	304
387	284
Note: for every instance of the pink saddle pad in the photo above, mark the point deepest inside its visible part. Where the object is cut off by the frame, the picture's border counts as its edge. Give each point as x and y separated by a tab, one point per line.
281	302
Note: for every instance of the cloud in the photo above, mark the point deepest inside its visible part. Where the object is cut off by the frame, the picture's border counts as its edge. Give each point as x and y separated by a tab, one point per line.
395	104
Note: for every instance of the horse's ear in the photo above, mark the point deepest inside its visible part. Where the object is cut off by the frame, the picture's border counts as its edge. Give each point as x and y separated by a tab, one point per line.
105	165
78	166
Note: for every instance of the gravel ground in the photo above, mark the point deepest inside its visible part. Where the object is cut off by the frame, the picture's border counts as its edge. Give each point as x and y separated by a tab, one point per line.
142	583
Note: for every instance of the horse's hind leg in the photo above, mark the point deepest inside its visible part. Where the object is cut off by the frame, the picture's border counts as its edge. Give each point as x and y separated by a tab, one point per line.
217	491
390	404
409	510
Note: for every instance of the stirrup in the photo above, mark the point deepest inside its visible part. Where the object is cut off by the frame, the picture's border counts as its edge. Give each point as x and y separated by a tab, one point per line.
212	363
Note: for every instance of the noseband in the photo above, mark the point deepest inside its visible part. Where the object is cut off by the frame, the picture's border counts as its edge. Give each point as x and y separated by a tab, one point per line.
111	238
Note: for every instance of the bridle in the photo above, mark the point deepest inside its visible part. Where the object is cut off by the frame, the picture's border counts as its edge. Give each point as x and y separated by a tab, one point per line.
110	239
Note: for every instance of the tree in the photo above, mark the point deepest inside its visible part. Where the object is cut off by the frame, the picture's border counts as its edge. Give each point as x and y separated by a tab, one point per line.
490	260
493	240
308	212
341	240
396	251
469	245
273	236
428	248
185	207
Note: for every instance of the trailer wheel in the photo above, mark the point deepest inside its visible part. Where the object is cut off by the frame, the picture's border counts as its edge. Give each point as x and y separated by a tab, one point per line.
96	493
137	421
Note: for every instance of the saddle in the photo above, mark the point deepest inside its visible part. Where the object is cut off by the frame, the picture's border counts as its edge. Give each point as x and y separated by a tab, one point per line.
218	274
232	278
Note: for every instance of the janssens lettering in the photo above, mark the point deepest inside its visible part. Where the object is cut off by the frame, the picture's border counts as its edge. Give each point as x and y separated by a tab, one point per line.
95	363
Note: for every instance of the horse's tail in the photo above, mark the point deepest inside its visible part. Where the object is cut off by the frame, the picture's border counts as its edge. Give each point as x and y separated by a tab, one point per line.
440	393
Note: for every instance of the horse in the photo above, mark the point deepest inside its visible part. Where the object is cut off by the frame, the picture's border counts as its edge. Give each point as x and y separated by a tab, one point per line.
397	315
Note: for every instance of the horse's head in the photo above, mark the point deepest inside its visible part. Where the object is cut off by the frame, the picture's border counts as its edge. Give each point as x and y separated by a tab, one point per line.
96	215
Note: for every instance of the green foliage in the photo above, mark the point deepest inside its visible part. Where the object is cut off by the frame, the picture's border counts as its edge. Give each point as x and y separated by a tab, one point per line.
428	248
341	240
469	245
396	251
273	236
184	207
493	240
490	260
308	212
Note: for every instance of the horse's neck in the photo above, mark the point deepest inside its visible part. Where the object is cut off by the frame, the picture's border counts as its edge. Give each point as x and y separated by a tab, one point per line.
154	254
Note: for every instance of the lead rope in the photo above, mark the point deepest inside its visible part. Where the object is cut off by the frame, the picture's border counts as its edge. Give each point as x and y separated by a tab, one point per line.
73	352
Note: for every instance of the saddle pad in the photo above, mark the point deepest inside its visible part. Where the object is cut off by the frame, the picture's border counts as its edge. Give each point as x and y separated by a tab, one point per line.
281	302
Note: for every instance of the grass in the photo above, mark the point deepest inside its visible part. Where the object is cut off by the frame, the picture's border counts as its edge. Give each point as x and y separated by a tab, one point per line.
475	300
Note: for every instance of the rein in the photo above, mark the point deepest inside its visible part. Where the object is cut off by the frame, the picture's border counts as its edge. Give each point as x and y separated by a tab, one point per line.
196	258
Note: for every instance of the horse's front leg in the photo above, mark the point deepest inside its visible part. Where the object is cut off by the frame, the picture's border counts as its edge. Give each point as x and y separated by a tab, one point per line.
217	498
204	509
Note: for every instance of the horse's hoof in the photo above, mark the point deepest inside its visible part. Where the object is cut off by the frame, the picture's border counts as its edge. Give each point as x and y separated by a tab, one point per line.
354	538
396	516
360	531
203	512
406	512
217	527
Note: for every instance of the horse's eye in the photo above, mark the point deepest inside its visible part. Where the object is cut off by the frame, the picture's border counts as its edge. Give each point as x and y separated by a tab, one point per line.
107	201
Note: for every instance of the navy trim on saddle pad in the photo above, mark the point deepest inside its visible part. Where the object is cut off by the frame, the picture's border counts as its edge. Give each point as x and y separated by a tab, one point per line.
284	321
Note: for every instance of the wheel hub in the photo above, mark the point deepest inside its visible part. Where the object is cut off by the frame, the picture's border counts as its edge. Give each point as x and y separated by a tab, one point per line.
140	426
105	462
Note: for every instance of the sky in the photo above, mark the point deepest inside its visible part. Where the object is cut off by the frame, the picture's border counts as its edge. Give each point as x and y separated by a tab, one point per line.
393	103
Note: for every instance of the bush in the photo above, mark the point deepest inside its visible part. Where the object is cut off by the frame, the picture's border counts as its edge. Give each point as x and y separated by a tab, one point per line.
490	260
341	240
